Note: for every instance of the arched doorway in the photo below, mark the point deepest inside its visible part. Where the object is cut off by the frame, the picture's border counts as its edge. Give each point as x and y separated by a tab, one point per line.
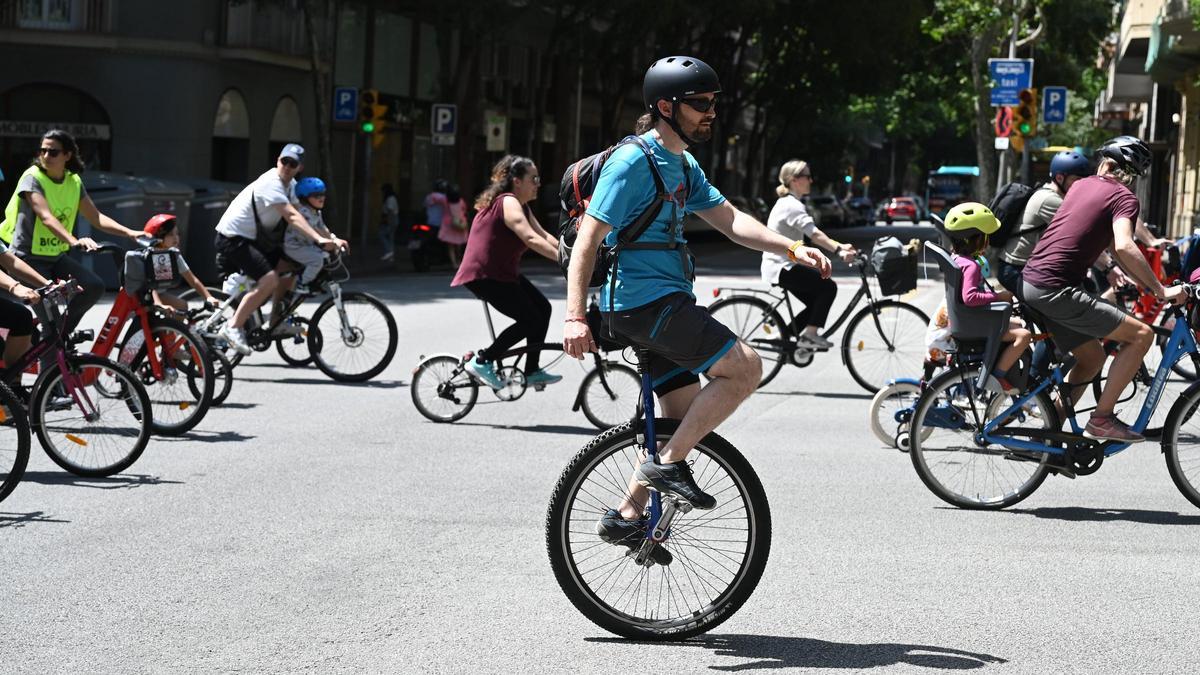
30	110
231	138
285	126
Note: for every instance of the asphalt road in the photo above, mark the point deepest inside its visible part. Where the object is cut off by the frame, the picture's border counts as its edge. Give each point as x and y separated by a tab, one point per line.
312	526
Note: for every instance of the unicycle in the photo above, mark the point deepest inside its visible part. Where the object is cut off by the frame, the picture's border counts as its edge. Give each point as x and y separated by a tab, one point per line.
691	569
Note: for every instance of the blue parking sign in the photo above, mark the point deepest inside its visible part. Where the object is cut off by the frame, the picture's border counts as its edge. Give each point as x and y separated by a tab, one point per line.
1054	105
345	104
444	118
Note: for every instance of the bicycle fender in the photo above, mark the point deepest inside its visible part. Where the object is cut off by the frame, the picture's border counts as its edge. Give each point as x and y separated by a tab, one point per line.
1177	410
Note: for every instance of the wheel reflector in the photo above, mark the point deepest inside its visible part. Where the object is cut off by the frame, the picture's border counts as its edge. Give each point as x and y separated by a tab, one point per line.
76	440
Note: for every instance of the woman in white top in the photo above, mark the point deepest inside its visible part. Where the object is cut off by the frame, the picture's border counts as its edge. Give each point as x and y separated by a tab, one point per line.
790	218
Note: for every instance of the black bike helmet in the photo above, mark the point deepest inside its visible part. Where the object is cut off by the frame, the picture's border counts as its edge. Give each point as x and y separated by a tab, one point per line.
1129	152
673	78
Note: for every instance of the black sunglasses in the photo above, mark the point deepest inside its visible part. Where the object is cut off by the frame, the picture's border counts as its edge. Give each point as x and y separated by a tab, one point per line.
50	152
700	104
289	162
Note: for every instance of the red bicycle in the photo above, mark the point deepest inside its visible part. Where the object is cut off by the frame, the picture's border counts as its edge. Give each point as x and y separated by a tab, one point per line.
173	363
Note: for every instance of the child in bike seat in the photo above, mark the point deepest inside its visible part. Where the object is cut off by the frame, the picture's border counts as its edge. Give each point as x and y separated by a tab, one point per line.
162	227
299	248
968	226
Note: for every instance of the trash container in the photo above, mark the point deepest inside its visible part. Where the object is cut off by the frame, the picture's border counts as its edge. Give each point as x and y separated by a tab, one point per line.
165	196
209	202
121	198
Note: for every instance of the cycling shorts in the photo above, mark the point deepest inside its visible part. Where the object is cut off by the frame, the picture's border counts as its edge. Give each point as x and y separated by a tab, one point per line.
684	339
238	254
1072	315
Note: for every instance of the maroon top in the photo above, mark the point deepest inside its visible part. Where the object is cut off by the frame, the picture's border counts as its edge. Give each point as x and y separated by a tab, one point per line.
493	250
1079	233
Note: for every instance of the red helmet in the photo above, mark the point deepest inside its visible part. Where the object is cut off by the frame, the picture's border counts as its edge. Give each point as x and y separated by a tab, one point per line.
159	225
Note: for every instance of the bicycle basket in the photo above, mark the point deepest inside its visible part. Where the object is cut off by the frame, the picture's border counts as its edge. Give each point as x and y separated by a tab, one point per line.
896	272
151	270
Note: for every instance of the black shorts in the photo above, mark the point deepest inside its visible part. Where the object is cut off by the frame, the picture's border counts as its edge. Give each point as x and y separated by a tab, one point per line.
238	254
683	338
16	318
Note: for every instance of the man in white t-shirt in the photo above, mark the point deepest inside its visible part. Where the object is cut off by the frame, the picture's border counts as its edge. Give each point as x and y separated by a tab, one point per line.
250	237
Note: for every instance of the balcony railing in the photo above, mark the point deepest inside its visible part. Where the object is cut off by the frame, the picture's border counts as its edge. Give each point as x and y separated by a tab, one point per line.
276	26
88	16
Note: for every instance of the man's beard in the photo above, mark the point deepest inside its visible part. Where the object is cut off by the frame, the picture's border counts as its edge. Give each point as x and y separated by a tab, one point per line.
701	133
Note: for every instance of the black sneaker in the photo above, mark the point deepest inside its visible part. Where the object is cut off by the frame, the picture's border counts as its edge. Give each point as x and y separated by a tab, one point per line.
674	479
617	531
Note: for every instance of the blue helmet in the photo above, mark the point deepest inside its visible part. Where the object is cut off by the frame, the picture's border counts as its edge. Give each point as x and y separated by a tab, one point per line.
309	186
1070	163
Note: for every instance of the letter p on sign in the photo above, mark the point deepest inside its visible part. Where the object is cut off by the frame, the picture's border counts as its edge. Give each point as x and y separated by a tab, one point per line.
443	120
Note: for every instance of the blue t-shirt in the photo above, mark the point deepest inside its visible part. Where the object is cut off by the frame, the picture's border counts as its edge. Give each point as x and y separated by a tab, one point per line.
623	192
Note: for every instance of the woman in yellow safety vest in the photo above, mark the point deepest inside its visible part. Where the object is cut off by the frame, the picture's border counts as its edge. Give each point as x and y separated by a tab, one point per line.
39	222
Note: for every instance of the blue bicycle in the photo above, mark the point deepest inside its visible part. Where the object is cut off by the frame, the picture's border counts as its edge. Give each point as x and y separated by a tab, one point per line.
982	450
687	570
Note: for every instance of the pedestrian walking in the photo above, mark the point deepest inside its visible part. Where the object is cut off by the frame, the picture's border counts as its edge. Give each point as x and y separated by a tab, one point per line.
389	221
453	230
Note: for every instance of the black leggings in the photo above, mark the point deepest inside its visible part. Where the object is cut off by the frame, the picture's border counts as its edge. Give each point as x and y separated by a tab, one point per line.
523	303
816	293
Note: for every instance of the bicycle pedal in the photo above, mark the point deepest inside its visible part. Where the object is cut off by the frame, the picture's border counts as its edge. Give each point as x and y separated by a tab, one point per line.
539	387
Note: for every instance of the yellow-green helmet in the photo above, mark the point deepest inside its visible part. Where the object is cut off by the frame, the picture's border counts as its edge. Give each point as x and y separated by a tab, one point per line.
969	218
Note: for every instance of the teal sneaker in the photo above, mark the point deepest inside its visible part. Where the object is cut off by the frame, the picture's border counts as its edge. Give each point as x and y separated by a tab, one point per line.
541	377
485	372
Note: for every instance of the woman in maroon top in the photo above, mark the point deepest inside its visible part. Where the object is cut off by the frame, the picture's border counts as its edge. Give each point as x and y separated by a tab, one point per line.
503	229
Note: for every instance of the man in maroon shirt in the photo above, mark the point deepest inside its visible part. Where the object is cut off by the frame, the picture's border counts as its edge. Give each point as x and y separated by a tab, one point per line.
1097	214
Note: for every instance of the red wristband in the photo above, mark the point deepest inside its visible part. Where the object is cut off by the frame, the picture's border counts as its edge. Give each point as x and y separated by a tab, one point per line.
580	319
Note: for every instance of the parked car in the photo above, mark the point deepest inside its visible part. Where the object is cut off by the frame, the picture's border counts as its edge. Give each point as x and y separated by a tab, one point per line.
901	208
827	211
860	210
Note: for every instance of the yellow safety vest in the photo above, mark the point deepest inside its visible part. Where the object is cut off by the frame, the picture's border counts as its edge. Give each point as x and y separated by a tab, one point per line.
63	199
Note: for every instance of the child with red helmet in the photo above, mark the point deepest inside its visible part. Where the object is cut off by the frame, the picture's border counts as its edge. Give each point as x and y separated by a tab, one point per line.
162	227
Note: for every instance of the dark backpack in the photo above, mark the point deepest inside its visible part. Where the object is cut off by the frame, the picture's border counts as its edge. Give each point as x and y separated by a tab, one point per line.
1009	208
575	192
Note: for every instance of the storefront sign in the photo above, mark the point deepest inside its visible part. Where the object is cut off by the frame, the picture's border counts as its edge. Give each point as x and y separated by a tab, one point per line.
80	130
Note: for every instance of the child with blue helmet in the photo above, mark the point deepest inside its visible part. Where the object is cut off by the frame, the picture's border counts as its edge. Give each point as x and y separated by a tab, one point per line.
299	248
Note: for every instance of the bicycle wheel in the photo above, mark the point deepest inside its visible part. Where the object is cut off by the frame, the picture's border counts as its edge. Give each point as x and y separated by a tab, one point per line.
224	370
953	465
1181	444
886	405
358	348
442	390
718	555
613	399
877	353
758	325
181	397
93	430
14	441
294	350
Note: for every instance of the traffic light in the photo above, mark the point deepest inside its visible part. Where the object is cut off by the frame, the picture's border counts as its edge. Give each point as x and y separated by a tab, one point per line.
371	112
1025	114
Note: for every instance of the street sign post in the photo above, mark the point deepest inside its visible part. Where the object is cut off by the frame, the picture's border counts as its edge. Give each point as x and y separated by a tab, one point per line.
443	123
1009	76
1054	105
345	104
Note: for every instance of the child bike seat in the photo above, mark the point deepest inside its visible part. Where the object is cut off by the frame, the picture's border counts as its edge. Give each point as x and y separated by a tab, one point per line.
971	324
